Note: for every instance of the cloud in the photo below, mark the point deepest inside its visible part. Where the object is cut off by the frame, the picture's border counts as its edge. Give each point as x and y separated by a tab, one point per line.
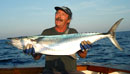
112	10
83	5
101	7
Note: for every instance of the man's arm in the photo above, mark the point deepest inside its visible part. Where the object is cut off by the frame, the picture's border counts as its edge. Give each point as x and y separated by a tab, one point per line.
37	56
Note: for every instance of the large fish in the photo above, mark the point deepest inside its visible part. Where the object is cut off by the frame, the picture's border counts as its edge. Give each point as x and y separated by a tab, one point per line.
66	44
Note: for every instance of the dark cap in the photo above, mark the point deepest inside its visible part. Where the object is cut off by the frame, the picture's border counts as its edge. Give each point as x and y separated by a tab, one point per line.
65	9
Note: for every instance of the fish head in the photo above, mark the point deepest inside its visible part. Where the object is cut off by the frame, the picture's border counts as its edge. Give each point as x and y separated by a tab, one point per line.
20	43
16	42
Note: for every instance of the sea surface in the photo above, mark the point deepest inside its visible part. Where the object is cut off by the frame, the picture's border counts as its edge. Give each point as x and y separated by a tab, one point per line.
103	52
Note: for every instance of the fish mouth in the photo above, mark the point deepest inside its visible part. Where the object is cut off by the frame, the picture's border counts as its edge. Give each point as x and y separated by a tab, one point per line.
9	42
9	38
13	38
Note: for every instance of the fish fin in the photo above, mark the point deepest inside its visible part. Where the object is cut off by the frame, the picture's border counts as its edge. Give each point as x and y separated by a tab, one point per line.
114	27
114	41
73	56
112	34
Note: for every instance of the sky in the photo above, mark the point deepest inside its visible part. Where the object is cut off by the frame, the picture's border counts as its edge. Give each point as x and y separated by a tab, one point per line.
31	17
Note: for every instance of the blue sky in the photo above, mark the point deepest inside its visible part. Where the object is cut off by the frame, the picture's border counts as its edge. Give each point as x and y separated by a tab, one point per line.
31	17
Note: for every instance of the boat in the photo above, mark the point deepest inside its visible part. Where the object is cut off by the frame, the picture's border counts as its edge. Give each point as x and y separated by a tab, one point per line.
89	68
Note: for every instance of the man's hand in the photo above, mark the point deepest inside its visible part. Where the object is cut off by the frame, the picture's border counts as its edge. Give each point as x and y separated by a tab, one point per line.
84	45
29	49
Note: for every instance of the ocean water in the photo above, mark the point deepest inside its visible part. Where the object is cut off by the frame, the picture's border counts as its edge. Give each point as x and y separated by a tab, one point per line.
102	52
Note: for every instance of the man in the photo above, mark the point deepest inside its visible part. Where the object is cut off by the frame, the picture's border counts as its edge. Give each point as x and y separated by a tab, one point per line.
62	63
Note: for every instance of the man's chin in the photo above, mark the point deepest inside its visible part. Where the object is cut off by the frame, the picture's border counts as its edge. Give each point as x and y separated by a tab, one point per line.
59	23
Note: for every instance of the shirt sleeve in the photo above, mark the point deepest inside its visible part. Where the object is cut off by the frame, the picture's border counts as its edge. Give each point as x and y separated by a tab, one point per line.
72	30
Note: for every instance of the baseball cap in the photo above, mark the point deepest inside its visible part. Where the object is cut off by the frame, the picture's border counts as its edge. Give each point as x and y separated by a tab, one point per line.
65	9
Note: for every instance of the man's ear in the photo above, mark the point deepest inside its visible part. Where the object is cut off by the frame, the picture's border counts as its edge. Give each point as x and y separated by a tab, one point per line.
68	20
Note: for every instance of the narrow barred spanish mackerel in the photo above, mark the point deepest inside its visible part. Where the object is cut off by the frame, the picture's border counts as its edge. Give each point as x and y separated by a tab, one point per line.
66	44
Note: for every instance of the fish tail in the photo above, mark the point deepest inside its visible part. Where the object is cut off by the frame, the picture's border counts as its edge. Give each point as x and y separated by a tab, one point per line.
112	36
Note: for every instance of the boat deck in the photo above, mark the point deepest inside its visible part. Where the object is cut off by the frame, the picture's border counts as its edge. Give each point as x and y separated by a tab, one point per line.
85	69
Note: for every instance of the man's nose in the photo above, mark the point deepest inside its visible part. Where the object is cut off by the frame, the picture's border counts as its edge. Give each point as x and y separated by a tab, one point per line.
59	15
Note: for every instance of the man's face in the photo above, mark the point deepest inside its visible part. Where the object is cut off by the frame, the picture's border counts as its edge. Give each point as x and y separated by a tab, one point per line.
61	18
